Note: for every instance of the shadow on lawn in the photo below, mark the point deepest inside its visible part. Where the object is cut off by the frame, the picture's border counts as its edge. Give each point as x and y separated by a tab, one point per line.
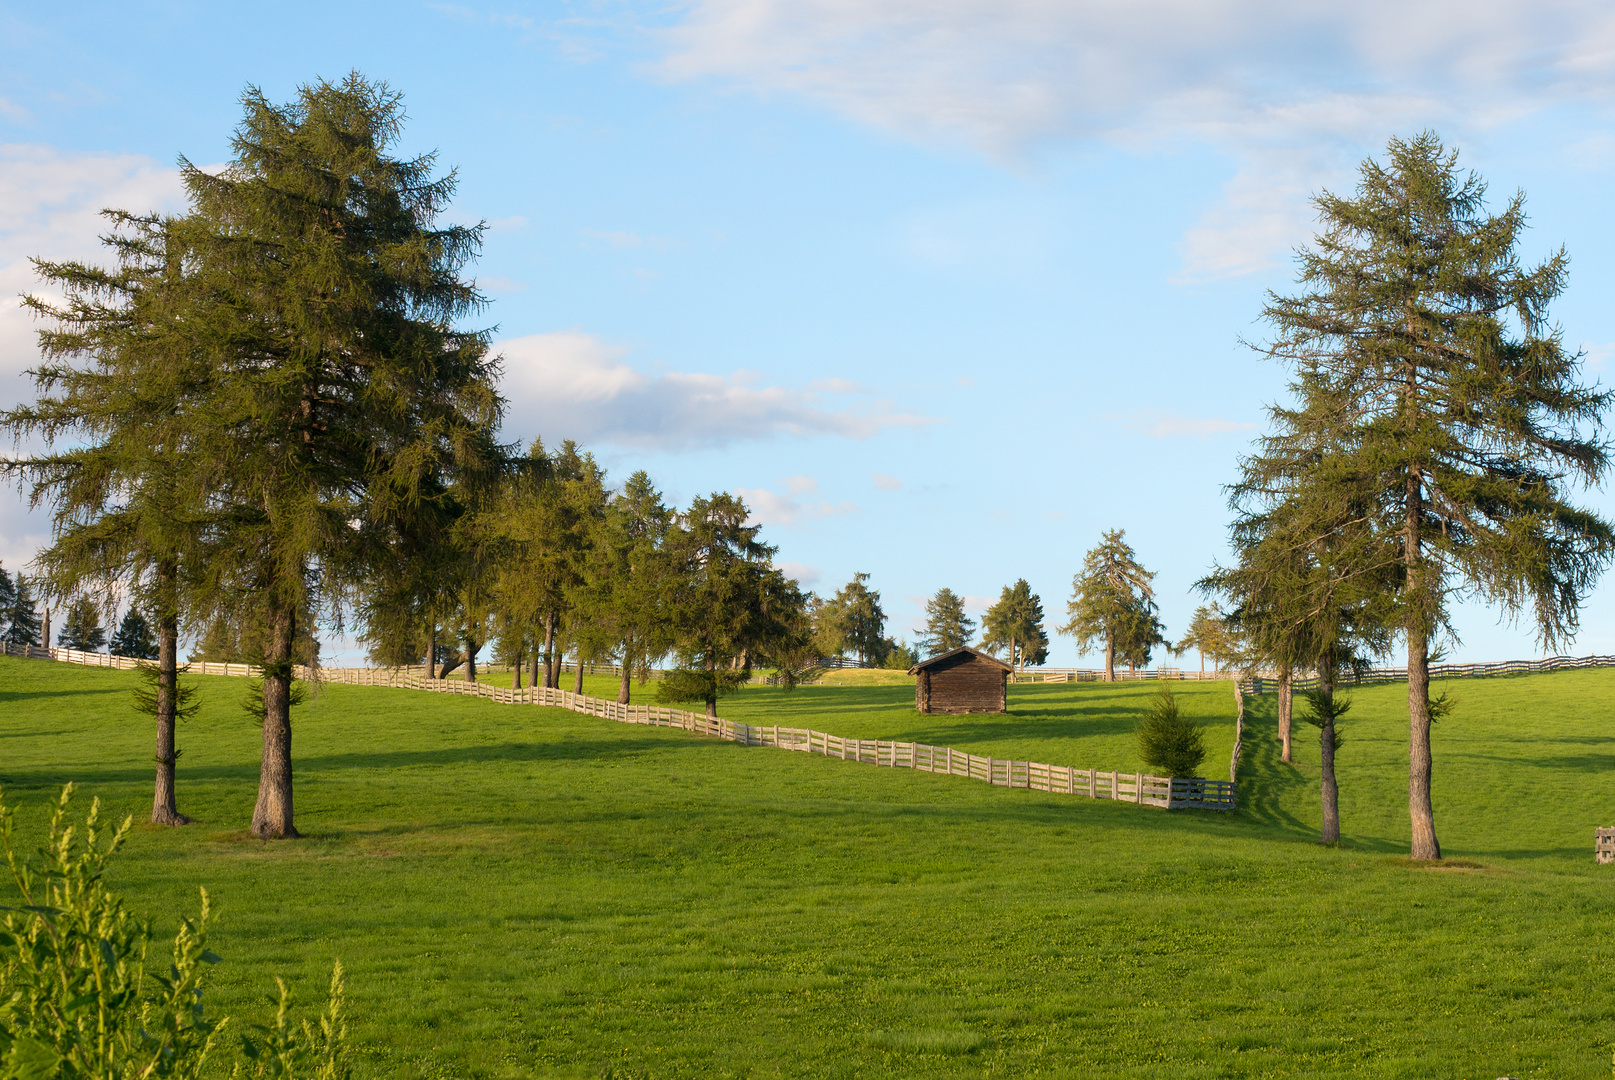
492	753
29	695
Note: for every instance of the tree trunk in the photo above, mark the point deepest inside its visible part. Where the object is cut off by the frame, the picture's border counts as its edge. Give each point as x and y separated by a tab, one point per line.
1286	708
471	648
272	817
552	678
516	671
532	676
1110	660
577	685
712	698
627	672
1425	846
1328	790
1421	813
164	809
431	652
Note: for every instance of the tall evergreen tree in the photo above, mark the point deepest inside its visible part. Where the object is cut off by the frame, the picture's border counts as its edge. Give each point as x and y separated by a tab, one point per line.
342	396
22	616
1113	601
1208	635
119	368
860	620
1015	624
1421	351
1301	599
947	627
81	626
8	597
733	607
631	578
134	638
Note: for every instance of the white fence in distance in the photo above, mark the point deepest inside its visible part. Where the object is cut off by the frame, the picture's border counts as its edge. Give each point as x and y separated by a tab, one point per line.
1167	793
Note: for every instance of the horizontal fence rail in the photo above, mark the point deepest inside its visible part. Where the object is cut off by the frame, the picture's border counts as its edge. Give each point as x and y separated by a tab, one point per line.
1167	793
1069	675
1269	683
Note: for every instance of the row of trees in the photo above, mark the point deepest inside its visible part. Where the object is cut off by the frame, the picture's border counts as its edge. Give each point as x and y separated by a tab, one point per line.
268	413
20	623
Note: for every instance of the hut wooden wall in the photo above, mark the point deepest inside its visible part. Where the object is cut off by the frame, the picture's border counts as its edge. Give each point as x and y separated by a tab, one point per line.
968	685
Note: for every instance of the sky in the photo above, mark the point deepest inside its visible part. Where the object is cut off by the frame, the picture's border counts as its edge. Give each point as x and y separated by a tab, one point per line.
944	289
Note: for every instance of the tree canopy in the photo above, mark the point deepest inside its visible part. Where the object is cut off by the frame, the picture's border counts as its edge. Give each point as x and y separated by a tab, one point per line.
1431	387
1113	602
946	625
1014	625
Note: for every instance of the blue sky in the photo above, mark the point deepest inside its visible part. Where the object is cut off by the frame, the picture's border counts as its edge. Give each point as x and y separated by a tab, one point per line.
944	289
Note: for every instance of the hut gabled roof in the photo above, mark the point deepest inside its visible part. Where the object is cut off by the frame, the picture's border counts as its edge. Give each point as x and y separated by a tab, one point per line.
951	653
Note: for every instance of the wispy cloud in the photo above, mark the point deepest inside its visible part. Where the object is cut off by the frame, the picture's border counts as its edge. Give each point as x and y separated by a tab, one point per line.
793	506
573	385
888	483
1296	93
1162	425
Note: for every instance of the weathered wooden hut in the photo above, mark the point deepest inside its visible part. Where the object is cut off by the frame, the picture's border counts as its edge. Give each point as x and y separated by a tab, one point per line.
961	681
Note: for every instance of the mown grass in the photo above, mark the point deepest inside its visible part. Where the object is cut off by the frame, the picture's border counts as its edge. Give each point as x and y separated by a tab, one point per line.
527	892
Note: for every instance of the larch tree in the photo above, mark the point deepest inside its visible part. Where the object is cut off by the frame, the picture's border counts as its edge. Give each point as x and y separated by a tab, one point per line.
1421	348
947	627
1015	624
118	376
732	608
860	620
343	397
1113	602
632	578
1311	589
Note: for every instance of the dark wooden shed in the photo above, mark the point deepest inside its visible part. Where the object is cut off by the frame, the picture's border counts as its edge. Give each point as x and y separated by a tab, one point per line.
961	681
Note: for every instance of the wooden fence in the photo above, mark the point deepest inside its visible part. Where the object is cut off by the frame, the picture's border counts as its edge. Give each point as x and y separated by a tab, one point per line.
1167	793
1267	683
1068	675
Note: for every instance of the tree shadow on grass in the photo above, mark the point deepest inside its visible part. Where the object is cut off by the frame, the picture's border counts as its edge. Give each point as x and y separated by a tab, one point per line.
1267	783
492	753
31	695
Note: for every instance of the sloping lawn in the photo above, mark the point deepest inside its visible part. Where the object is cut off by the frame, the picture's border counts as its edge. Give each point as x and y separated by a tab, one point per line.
524	892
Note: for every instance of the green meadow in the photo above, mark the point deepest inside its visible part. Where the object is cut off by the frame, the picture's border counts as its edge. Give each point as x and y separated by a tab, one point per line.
526	892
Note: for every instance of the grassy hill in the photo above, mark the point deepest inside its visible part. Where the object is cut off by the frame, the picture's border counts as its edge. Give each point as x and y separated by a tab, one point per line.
523	892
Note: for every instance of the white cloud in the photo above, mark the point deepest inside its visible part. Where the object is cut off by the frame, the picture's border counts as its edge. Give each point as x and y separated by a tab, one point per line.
50	204
573	385
1295	90
888	483
790	507
501	284
804	575
1166	426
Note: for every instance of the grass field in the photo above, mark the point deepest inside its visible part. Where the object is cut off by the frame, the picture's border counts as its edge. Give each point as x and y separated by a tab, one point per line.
523	892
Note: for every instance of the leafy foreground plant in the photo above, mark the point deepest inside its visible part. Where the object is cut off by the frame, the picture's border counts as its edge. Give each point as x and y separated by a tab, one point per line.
76	999
1168	741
